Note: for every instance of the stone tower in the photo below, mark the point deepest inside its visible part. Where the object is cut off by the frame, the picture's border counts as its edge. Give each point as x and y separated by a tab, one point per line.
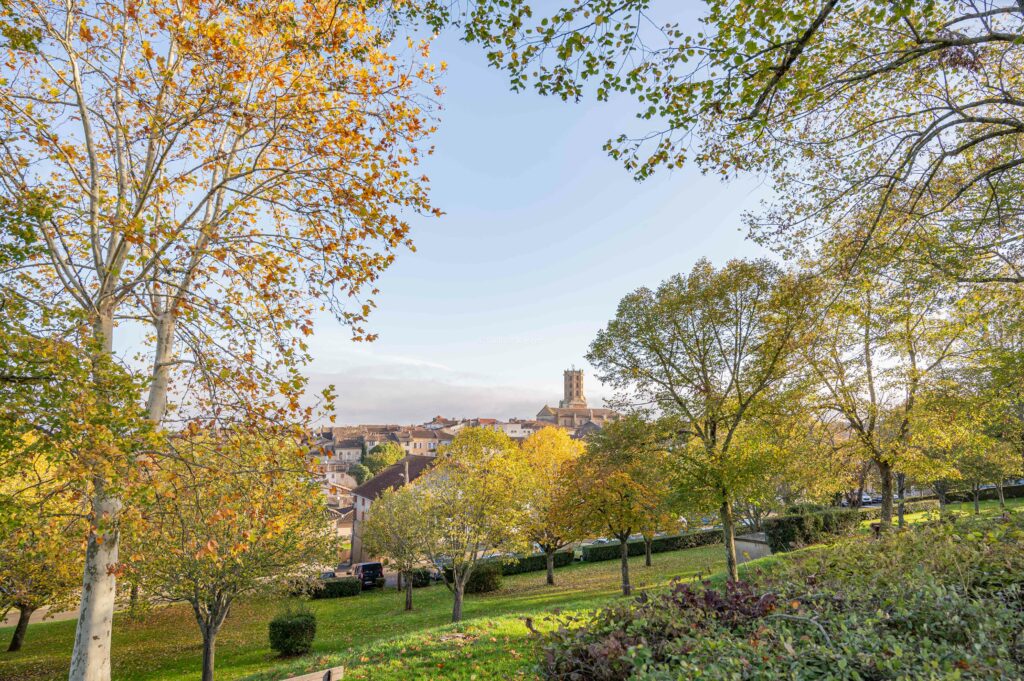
573	389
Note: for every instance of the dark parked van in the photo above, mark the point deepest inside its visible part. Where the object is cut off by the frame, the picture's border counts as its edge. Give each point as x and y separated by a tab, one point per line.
368	574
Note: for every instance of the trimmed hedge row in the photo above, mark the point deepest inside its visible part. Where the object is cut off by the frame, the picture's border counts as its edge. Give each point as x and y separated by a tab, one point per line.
486	576
535	562
336	588
674	542
1009	492
800	529
915	506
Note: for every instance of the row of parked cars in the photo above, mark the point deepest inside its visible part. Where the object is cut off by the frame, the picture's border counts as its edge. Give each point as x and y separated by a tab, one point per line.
369	574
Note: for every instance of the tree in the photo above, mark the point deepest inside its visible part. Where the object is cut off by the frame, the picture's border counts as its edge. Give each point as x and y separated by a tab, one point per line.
383	455
624	483
233	515
549	518
911	108
884	336
359	473
42	529
474	497
398	530
212	175
708	350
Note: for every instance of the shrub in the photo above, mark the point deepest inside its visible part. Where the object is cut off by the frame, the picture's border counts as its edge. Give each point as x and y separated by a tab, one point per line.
336	588
292	633
943	600
689	540
801	529
420	578
379	583
535	563
486	577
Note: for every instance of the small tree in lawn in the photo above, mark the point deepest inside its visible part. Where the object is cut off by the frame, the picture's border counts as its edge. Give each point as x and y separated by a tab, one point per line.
383	455
550	519
234	515
42	528
474	499
624	482
398	530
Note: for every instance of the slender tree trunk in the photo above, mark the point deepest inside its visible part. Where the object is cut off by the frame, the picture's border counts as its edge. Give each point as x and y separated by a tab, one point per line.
24	613
647	550
885	473
627	589
729	536
209	646
458	588
90	657
408	592
977	497
1002	498
550	556
398	581
901	488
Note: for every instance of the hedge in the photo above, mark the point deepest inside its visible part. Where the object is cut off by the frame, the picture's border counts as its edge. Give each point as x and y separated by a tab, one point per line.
420	578
535	562
486	576
915	506
292	633
1009	492
799	529
675	542
336	588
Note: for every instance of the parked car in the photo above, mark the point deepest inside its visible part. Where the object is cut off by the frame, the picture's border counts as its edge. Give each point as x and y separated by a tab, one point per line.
328	574
368	574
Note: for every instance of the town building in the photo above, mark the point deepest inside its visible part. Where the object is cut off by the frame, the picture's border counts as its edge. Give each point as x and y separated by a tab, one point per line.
363	496
572	410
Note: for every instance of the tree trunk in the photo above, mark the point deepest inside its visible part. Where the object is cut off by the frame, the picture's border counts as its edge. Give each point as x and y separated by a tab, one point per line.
209	644
408	592
901	485
729	536
398	581
977	496
457	591
551	566
627	589
647	550
24	613
885	473
1002	499
90	658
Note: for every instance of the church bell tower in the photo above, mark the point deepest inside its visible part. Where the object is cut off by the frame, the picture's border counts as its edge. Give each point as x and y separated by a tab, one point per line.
573	389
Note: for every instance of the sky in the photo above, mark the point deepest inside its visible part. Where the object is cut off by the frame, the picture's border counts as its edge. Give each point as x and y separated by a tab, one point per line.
542	235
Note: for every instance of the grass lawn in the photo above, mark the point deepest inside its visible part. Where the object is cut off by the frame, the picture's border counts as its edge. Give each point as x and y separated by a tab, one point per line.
369	634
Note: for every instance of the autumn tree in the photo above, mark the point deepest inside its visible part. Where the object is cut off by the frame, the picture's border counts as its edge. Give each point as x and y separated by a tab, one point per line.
474	497
624	483
550	519
398	530
211	175
42	526
234	514
382	456
910	110
710	350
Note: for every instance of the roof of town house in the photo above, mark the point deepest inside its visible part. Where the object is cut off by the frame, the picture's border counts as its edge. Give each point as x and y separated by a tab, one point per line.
588	428
349	443
393	476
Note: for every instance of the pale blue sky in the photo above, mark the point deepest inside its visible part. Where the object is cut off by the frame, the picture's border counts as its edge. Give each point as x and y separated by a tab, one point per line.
542	235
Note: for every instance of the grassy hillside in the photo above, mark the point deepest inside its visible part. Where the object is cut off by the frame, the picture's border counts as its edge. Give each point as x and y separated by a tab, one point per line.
166	645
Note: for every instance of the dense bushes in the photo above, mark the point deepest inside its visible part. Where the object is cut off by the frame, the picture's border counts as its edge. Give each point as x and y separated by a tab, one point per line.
786	532
535	562
943	600
689	540
292	633
336	588
420	578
